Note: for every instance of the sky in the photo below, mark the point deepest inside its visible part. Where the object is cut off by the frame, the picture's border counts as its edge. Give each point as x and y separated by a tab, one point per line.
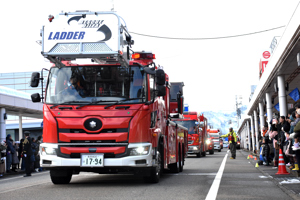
213	70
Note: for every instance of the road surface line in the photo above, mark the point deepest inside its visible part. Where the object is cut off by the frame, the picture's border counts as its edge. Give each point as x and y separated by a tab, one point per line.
24	187
5	179
213	191
192	174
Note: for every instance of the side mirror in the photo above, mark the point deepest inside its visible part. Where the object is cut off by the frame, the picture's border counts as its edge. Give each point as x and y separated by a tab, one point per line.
35	79
149	70
160	77
161	90
36	97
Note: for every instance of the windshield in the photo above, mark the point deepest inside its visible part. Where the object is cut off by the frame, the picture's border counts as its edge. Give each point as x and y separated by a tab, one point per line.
175	88
190	125
96	83
216	135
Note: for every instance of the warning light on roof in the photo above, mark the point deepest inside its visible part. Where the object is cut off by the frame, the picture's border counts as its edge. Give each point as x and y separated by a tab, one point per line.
137	56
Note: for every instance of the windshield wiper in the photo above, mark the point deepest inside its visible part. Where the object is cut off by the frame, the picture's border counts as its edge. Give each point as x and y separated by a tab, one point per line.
120	102
94	102
69	102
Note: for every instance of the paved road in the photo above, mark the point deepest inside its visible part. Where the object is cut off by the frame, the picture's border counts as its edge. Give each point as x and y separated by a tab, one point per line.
199	180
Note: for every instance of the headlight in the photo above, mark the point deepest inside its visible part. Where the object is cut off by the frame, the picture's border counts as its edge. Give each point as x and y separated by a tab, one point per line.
207	141
195	148
140	151
48	151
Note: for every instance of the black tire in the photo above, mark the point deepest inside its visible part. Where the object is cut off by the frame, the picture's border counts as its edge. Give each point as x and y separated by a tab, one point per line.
183	154
219	150
180	156
175	167
60	178
203	153
211	151
155	172
198	154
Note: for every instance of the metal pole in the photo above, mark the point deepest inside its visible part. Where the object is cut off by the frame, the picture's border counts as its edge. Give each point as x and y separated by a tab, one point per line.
248	132
282	96
261	117
252	133
20	127
269	107
256	130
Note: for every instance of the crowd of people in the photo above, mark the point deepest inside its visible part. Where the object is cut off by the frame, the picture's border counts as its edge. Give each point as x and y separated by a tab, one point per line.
284	134
23	155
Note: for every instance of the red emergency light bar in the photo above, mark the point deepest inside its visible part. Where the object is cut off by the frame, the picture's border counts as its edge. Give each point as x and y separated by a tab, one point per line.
139	56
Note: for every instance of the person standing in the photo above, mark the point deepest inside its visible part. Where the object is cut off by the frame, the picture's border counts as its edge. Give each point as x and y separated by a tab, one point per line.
232	142
20	155
9	151
2	164
27	153
15	160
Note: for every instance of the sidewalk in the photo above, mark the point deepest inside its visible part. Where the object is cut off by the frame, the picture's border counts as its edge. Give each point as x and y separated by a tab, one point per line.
289	183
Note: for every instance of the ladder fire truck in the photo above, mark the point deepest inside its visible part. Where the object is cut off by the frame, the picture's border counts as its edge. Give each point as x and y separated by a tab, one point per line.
106	108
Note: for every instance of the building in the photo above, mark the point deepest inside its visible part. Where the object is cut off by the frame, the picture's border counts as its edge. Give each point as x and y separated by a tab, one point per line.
20	81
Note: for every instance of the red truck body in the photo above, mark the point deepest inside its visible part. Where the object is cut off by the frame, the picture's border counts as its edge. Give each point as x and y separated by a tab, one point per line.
109	118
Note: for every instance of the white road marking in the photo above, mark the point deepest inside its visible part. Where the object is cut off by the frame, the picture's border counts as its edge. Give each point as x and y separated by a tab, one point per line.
6	179
193	174
213	191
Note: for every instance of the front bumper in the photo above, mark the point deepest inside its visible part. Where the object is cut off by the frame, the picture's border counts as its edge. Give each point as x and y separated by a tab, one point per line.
193	149
217	146
53	161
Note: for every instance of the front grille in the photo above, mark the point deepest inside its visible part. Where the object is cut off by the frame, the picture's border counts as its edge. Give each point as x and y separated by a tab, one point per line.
116	130
190	142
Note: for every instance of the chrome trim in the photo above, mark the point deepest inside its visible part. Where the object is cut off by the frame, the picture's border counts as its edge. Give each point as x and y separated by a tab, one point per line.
91	144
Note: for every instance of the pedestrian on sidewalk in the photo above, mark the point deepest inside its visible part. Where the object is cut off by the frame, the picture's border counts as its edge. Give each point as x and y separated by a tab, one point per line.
27	153
232	142
38	142
20	155
2	164
9	151
274	135
15	160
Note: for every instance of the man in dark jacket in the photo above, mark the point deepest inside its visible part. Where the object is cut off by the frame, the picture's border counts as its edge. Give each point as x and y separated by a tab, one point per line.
281	127
27	153
9	151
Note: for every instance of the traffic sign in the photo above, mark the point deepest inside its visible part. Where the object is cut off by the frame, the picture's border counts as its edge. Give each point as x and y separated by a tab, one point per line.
266	54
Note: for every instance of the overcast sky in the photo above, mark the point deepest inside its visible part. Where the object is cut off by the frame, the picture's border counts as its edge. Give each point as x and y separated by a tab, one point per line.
214	71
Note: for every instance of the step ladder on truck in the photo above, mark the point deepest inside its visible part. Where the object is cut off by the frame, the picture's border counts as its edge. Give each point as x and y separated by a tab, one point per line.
106	108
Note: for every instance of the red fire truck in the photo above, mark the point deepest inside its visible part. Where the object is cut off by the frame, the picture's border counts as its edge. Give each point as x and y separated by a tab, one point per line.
106	109
215	135
197	132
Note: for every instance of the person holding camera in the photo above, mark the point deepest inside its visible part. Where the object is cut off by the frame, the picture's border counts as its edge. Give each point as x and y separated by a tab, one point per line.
232	142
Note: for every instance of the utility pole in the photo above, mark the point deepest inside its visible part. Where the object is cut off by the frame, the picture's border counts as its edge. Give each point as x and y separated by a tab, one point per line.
238	104
113	5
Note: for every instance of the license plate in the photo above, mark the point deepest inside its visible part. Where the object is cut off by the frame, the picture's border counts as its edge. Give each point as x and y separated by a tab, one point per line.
92	160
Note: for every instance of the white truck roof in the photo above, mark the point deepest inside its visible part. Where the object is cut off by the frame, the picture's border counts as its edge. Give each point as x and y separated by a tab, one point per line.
102	36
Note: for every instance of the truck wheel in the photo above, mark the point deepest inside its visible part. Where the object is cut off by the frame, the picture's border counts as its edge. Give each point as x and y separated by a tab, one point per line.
180	159
183	154
198	154
155	172
211	151
175	167
203	153
60	177
219	150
